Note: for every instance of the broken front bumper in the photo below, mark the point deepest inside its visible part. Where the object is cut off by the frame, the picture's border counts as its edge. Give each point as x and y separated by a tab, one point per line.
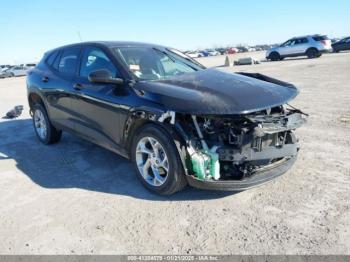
257	178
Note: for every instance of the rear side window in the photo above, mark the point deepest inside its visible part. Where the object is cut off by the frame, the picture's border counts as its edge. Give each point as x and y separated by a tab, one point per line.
69	60
301	40
51	59
320	37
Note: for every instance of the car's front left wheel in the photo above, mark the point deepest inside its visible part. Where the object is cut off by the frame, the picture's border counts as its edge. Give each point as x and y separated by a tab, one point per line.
43	127
157	161
274	56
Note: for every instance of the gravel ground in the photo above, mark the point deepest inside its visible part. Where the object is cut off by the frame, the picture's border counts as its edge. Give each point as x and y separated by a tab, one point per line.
77	198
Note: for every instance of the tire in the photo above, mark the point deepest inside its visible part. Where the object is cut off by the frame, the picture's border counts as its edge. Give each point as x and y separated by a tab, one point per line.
312	53
41	122
145	164
274	56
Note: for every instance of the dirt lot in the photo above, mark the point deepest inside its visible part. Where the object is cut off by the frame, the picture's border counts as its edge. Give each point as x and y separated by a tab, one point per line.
74	197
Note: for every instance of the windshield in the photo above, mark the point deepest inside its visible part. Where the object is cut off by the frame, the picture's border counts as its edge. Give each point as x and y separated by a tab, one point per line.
148	63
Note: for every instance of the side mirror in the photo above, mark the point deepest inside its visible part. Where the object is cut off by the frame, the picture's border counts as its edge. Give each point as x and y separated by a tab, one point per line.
104	76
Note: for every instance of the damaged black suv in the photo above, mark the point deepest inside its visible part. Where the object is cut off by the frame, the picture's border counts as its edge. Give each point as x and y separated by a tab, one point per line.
178	122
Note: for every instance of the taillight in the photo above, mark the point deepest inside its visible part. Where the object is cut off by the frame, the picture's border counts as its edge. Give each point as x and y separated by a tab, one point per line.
324	42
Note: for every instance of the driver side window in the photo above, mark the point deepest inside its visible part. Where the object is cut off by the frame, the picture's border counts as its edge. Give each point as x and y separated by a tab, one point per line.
288	43
95	59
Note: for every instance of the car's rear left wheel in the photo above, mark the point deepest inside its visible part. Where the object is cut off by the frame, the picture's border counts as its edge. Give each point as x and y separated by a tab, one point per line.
43	127
312	53
157	161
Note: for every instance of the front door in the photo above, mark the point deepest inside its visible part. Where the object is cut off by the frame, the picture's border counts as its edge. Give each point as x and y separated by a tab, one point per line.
100	109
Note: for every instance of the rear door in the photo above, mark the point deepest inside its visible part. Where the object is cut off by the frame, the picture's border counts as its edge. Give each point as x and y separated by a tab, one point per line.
58	87
101	108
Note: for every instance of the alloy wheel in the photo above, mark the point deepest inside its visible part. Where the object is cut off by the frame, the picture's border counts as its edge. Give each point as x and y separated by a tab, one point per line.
152	161
40	124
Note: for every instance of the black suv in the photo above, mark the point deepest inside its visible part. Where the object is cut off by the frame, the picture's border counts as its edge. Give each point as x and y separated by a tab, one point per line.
178	122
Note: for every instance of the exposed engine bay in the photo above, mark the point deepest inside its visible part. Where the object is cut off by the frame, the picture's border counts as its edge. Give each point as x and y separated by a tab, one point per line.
235	147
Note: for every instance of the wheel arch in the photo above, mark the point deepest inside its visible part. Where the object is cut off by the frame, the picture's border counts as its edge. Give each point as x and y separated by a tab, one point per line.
35	98
175	131
274	52
311	48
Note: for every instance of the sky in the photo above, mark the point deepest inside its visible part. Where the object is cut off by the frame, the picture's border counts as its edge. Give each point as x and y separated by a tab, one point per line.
29	28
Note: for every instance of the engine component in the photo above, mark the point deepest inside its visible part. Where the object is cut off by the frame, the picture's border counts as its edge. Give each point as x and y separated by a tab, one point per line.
205	163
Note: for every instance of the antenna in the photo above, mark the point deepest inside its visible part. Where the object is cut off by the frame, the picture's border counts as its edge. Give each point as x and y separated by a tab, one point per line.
78	33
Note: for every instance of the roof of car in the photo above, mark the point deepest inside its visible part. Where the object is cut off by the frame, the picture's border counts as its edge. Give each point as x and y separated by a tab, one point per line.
306	36
111	44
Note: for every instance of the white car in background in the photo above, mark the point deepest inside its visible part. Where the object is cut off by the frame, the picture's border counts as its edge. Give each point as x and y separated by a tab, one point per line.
312	46
17	71
251	49
28	66
194	54
212	52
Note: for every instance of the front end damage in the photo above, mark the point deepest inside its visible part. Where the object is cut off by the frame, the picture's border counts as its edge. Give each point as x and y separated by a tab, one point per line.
237	129
238	152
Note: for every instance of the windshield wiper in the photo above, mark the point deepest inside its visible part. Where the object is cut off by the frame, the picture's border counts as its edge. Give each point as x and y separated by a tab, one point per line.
189	59
165	53
174	60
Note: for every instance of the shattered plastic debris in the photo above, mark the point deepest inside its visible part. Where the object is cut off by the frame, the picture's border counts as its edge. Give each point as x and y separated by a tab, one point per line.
15	112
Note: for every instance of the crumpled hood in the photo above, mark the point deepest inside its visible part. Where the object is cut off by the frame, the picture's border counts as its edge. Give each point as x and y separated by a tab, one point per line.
213	91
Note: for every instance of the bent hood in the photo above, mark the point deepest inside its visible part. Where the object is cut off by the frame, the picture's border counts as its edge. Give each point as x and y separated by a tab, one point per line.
213	91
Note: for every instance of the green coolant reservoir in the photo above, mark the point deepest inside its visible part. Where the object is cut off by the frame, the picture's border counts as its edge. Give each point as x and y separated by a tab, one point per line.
206	164
200	164
214	166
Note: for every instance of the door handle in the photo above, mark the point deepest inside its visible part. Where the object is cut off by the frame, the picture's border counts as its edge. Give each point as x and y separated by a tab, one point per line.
45	79
77	86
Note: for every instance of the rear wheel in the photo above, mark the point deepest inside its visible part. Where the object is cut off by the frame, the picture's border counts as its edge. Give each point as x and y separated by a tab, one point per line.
44	130
274	56
156	161
312	53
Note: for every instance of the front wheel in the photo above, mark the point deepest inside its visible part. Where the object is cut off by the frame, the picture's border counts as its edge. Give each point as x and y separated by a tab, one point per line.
44	130
274	56
157	161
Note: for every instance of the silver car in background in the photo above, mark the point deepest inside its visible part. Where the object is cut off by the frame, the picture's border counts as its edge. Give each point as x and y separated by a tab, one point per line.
4	73
311	46
17	71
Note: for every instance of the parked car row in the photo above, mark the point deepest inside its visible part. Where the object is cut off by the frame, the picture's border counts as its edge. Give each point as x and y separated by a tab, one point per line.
312	46
225	51
12	71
